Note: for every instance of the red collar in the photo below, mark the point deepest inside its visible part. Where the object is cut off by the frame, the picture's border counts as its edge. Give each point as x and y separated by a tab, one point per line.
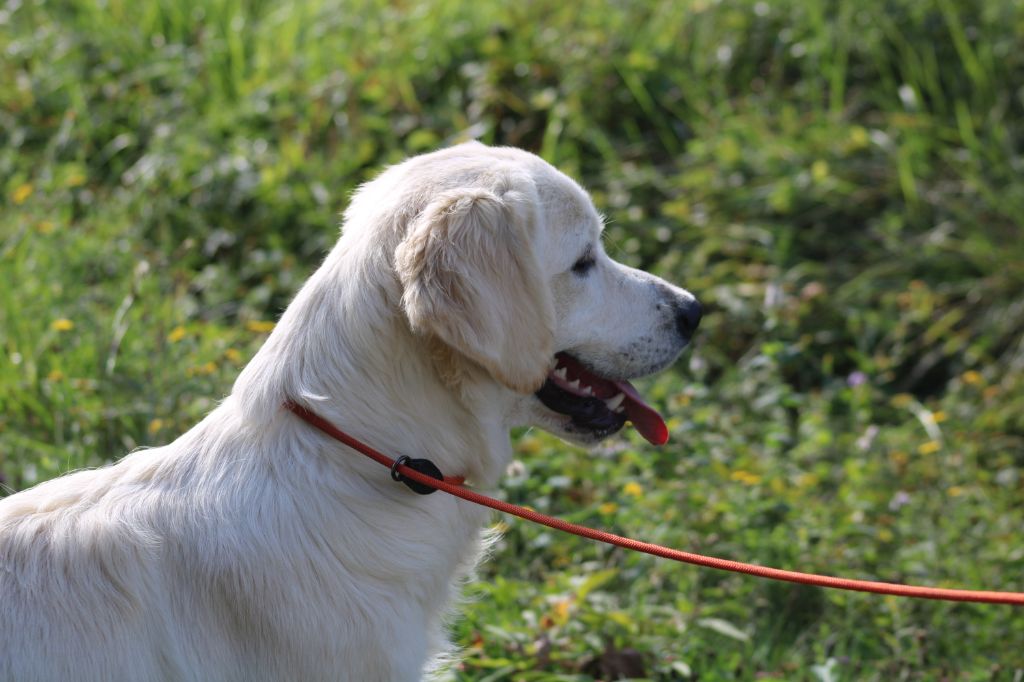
398	466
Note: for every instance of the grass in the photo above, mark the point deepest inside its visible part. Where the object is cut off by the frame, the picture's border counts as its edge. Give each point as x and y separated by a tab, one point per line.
840	183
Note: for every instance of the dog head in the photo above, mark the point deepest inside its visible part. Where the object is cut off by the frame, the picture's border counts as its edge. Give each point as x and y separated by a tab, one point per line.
504	265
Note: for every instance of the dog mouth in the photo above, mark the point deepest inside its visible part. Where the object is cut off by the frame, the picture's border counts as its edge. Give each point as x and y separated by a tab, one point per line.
598	404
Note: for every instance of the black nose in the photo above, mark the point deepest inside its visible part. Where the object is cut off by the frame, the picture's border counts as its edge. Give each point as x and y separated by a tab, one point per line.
688	317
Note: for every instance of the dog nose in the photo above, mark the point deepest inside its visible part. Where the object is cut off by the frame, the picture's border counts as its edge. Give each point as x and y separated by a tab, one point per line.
688	317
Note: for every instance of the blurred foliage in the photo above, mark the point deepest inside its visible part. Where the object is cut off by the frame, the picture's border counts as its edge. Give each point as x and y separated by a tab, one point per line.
842	184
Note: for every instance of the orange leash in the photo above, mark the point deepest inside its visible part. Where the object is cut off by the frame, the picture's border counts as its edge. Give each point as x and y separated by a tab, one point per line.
453	486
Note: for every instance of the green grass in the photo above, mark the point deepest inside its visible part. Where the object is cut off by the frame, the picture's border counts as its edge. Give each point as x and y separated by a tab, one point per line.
842	184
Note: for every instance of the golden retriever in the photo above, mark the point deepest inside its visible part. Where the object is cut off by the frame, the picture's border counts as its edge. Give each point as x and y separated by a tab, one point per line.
469	294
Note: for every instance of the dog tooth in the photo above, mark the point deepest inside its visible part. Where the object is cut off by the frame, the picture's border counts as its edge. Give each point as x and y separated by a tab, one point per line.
560	373
615	403
587	391
574	385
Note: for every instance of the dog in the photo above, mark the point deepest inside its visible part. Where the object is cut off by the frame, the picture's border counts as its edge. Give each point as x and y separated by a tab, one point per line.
468	294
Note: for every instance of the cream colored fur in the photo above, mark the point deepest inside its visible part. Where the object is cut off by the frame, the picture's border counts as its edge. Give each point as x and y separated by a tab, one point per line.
255	548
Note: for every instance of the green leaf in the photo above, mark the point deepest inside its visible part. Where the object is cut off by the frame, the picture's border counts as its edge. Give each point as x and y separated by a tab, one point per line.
723	627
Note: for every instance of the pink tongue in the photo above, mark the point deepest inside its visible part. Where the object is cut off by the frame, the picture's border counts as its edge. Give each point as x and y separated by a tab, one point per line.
644	417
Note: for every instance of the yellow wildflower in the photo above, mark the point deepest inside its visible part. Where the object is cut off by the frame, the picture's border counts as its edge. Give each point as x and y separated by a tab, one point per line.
971	377
62	324
259	326
177	334
21	193
745	477
529	445
633	488
608	508
858	138
55	375
929	448
200	370
155	425
682	400
232	355
560	612
954	491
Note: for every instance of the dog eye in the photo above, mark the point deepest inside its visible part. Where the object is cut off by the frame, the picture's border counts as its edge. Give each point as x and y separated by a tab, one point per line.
583	265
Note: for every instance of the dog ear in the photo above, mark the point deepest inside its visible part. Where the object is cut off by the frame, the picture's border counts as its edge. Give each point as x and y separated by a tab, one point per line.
470	278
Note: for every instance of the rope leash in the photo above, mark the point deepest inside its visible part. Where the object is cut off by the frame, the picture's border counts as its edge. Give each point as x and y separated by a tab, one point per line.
402	471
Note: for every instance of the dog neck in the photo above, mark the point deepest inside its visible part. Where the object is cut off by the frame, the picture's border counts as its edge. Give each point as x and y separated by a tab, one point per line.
344	349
